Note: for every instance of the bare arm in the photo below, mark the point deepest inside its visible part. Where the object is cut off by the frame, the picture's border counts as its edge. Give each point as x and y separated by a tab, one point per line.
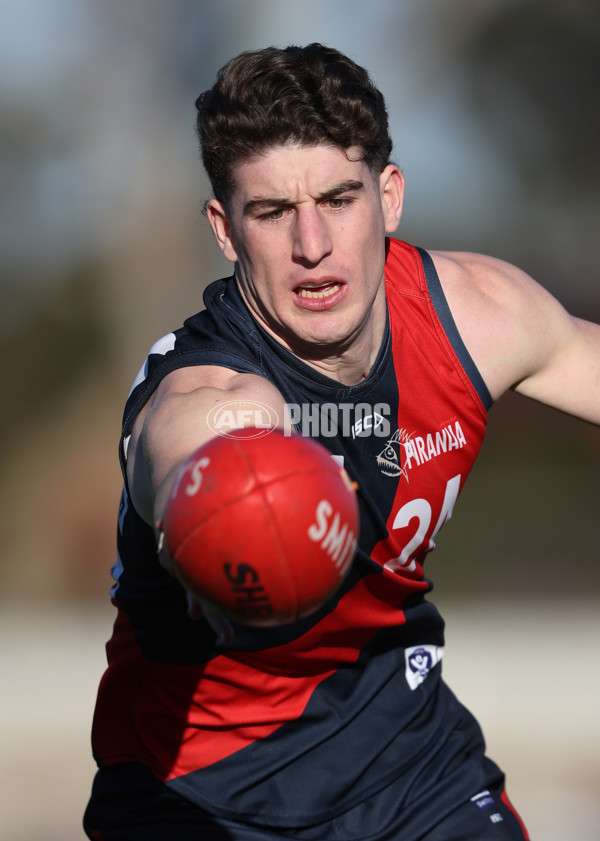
520	336
174	423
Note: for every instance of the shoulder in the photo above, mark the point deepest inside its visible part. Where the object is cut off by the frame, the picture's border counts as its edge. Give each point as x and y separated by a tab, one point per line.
196	390
177	419
192	377
510	324
183	400
489	279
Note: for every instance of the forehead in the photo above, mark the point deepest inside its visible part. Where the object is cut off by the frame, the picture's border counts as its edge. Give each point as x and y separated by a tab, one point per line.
291	170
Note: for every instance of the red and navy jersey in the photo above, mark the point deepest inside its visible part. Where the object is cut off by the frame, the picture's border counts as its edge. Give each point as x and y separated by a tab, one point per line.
294	724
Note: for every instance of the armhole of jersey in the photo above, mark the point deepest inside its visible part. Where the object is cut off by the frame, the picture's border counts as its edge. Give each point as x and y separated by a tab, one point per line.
148	380
440	304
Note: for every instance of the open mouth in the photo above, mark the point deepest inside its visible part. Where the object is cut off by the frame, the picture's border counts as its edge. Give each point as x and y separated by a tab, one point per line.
324	291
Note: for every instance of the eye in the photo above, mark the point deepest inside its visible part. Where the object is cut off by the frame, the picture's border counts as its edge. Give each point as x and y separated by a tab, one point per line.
274	215
338	203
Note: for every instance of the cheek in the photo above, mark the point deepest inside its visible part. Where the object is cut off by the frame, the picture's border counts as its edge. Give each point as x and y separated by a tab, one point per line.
258	254
373	258
259	275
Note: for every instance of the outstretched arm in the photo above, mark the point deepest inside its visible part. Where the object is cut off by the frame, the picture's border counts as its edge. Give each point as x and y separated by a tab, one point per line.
174	423
520	336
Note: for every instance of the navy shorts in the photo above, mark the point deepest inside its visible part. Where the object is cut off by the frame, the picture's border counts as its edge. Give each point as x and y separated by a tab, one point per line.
129	804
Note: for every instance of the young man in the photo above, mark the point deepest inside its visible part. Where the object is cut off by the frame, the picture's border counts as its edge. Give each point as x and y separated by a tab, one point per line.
338	726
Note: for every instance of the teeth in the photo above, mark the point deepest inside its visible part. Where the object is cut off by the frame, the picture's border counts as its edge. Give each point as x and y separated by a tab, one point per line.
321	293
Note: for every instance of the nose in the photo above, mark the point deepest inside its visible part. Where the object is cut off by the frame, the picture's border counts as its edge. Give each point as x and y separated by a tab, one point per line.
312	241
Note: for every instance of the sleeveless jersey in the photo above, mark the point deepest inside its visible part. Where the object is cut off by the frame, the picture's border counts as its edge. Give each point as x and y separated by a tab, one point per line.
291	725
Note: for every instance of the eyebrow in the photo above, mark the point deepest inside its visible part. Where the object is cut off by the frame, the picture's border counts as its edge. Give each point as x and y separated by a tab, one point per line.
252	205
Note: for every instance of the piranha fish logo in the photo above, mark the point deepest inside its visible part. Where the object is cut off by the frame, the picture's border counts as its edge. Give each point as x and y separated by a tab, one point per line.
406	450
389	460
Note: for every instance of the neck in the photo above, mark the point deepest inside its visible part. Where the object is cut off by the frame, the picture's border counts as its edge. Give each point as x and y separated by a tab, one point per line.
347	365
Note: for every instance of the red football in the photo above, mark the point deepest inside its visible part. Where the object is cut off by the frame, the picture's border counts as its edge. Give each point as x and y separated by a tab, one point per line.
263	528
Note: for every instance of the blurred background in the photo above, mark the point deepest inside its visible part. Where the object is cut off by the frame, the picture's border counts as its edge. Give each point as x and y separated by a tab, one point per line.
103	248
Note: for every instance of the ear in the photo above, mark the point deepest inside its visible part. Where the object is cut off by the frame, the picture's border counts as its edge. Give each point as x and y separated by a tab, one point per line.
221	225
391	187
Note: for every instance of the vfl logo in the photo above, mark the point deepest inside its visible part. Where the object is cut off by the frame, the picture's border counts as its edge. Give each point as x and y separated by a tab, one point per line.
420	660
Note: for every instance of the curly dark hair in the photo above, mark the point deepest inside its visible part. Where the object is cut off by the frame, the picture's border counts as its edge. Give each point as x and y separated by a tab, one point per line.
310	95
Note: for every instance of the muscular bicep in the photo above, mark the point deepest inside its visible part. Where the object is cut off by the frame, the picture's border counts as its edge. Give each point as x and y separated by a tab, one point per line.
179	418
569	377
520	336
556	356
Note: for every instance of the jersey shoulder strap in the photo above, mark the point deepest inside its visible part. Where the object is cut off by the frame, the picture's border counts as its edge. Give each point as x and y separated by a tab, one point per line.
410	271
